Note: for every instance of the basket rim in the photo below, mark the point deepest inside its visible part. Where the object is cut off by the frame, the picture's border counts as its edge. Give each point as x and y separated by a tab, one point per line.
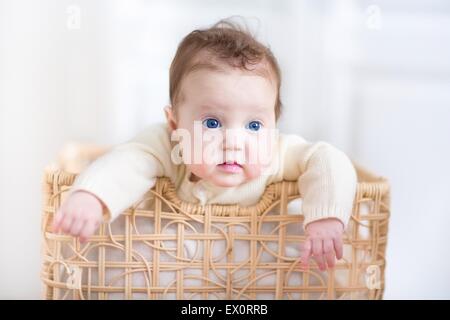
376	186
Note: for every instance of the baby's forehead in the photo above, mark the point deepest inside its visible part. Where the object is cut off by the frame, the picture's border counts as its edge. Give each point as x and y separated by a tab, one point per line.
227	84
209	74
228	92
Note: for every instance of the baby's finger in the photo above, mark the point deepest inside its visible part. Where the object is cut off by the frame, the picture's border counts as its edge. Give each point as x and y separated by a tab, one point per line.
306	252
338	247
66	223
328	245
77	226
87	231
317	249
320	262
57	220
330	259
328	249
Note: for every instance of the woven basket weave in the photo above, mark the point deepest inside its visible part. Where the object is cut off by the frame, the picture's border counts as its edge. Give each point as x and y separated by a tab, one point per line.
143	255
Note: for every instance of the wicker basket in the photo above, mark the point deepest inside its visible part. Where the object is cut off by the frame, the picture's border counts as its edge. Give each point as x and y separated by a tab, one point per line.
143	254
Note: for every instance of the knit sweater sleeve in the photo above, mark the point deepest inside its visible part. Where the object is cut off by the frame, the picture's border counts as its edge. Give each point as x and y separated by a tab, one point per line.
123	175
326	178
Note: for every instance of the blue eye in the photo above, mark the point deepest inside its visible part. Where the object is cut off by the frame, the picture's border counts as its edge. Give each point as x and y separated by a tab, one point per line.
254	125
211	123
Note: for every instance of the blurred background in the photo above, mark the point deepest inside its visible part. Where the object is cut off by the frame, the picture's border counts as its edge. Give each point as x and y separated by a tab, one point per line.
371	77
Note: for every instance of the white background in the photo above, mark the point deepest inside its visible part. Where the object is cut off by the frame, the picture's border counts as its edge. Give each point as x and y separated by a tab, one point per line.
371	77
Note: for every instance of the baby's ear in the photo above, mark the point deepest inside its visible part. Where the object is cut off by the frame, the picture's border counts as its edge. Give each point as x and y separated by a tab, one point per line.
170	117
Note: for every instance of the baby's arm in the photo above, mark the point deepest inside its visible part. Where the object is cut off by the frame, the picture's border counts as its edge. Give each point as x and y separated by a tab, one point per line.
327	182
111	184
328	186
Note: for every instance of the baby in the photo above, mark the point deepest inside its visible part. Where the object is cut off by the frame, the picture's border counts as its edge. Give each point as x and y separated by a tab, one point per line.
224	99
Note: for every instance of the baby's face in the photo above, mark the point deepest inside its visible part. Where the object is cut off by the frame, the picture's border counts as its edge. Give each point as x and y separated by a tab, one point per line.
232	110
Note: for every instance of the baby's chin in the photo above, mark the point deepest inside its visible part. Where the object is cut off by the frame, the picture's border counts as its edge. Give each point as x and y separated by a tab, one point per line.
227	181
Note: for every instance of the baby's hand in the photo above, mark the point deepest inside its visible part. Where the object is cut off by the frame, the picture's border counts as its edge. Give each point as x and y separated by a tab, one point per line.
323	242
80	215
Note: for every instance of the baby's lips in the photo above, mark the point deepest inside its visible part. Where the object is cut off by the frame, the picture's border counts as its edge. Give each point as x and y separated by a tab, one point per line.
231	162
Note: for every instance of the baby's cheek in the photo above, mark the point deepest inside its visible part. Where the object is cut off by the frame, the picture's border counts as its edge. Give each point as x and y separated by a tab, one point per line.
253	171
200	170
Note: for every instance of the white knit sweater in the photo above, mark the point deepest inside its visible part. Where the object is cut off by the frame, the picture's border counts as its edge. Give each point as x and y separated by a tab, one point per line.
326	177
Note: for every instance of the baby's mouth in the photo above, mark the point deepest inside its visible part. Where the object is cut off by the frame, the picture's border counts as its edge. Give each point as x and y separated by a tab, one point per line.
230	167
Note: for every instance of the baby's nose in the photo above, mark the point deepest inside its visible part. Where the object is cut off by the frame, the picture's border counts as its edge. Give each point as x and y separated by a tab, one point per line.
234	140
